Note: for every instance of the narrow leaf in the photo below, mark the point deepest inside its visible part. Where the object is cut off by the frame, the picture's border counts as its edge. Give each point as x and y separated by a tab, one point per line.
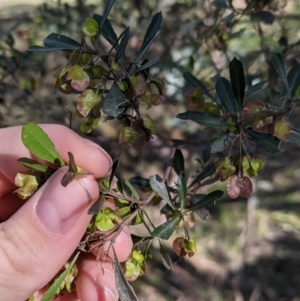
293	79
202	118
161	190
165	258
134	193
108	6
178	162
206	172
60	42
267	142
125	290
71	173
165	230
255	88
97	206
113	171
140	181
107	31
182	191
149	36
237	79
222	143
33	165
113	99
209	200
123	43
195	82
50	293
279	66
148	64
226	95
39	144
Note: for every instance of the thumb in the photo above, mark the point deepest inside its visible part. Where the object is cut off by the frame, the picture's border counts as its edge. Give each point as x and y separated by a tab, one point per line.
40	237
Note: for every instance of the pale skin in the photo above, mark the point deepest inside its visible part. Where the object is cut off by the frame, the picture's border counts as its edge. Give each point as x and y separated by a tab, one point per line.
38	236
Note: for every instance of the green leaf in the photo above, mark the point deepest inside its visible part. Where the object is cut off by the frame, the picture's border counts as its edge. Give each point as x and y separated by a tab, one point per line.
148	64
202	118
113	99
222	143
208	201
182	191
267	142
123	43
125	290
195	82
108	6
33	165
134	193
50	293
149	36
226	95
107	31
165	230
39	144
178	162
279	66
206	172
255	88
237	79
161	190
57	42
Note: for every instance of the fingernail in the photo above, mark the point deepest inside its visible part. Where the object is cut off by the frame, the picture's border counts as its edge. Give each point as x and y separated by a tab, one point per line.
105	281
58	207
101	149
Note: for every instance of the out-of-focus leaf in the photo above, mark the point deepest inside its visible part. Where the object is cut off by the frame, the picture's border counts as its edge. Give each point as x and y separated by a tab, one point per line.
165	258
165	230
161	189
222	143
125	290
97	206
108	6
237	79
226	95
195	82
123	43
279	66
206	172
148	64
182	191
267	142
111	102
220	3
107	31
50	293
140	181
206	153
56	41
134	193
293	79
39	144
149	36
178	162
255	88
208	200
202	118
264	16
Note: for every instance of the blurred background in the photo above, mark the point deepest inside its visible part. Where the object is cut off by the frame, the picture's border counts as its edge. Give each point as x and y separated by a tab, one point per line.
247	249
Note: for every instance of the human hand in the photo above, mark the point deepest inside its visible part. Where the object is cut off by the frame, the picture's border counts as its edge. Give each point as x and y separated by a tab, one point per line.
38	236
